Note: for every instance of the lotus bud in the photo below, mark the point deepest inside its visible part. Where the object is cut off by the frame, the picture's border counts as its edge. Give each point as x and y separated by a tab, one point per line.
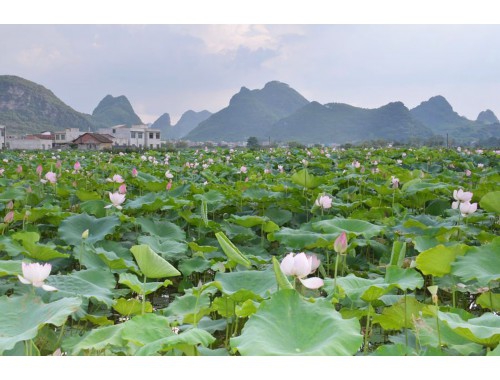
340	244
85	234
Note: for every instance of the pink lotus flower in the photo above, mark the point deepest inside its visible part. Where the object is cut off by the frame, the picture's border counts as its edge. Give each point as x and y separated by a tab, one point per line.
58	164
116	199
117	178
39	170
9	217
19	169
340	244
51	177
35	274
395	182
300	266
122	189
77	166
134	172
324	201
468	173
243	169
467	208
169	185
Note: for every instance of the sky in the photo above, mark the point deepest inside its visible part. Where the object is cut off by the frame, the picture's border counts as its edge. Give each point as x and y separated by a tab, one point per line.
171	67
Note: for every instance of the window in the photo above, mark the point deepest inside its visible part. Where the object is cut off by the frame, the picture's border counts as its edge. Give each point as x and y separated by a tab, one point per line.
151	146
151	135
132	134
57	136
139	134
114	130
158	135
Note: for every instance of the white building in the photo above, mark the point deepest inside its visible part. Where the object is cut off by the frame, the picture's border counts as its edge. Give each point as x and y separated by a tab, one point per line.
66	136
41	141
2	137
140	136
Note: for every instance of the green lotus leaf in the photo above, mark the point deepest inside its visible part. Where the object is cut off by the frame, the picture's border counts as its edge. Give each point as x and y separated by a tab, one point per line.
87	195
188	308
231	251
357	288
167	248
117	260
148	328
10	268
196	264
242	285
94	207
191	338
393	317
300	239
33	249
89	284
248	220
305	179
141	287
480	263
131	306
403	279
151	264
71	228
96	340
489	300
491	202
201	248
148	202
437	260
281	279
287	324
482	330
161	228
22	317
349	226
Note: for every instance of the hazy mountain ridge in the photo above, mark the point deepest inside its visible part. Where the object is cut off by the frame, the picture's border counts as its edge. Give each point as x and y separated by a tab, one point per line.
276	111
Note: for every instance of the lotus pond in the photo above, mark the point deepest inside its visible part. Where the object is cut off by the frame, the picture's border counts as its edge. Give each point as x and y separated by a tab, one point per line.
215	252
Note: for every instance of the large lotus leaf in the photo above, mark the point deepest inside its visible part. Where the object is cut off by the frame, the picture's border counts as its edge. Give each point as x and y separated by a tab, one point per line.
211	197
300	239
90	284
231	251
191	338
403	279
95	207
10	246
437	260
417	185
148	202
161	228
36	251
117	260
489	300
289	325
483	330
10	268
259	194
167	248
257	284
71	228
248	220
87	195
491	202
147	328
22	317
188	308
393	317
140	287
195	264
278	216
96	340
480	263
349	226
305	179
151	264
357	288
131	306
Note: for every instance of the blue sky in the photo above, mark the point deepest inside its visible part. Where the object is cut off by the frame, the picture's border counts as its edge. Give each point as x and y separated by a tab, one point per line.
174	66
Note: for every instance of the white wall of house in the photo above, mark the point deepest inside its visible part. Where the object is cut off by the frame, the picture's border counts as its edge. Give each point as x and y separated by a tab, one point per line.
138	135
66	136
29	144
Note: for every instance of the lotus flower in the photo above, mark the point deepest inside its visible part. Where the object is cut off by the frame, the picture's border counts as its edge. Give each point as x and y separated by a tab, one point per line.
116	199
39	170
243	169
340	244
134	172
461	196
300	266
51	177
9	217
117	178
35	274
324	202
168	174
395	182
467	208
77	166
122	189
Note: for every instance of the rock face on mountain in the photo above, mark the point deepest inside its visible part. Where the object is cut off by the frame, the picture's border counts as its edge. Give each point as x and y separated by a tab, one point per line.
250	113
115	110
188	121
341	123
487	117
27	107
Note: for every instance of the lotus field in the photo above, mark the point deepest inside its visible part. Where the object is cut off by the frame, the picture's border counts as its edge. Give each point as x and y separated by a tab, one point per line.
315	251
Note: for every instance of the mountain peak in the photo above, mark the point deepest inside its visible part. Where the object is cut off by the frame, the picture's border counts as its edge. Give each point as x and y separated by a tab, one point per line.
487	117
115	110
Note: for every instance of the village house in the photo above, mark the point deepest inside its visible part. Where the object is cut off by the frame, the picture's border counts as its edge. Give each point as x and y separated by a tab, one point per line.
140	136
37	141
63	138
93	141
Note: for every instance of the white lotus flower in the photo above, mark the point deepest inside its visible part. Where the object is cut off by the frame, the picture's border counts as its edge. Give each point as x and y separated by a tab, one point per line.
35	274
301	266
461	196
116	199
51	177
467	208
324	201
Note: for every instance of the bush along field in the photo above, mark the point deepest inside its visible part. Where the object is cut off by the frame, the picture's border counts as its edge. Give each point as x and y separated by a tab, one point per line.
316	251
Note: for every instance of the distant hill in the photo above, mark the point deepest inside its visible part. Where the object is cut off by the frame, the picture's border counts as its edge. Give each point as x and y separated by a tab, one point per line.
27	107
487	117
188	121
341	123
250	113
114	111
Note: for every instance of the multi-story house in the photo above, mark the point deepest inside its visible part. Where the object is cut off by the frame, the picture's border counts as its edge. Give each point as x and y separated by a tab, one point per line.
140	136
